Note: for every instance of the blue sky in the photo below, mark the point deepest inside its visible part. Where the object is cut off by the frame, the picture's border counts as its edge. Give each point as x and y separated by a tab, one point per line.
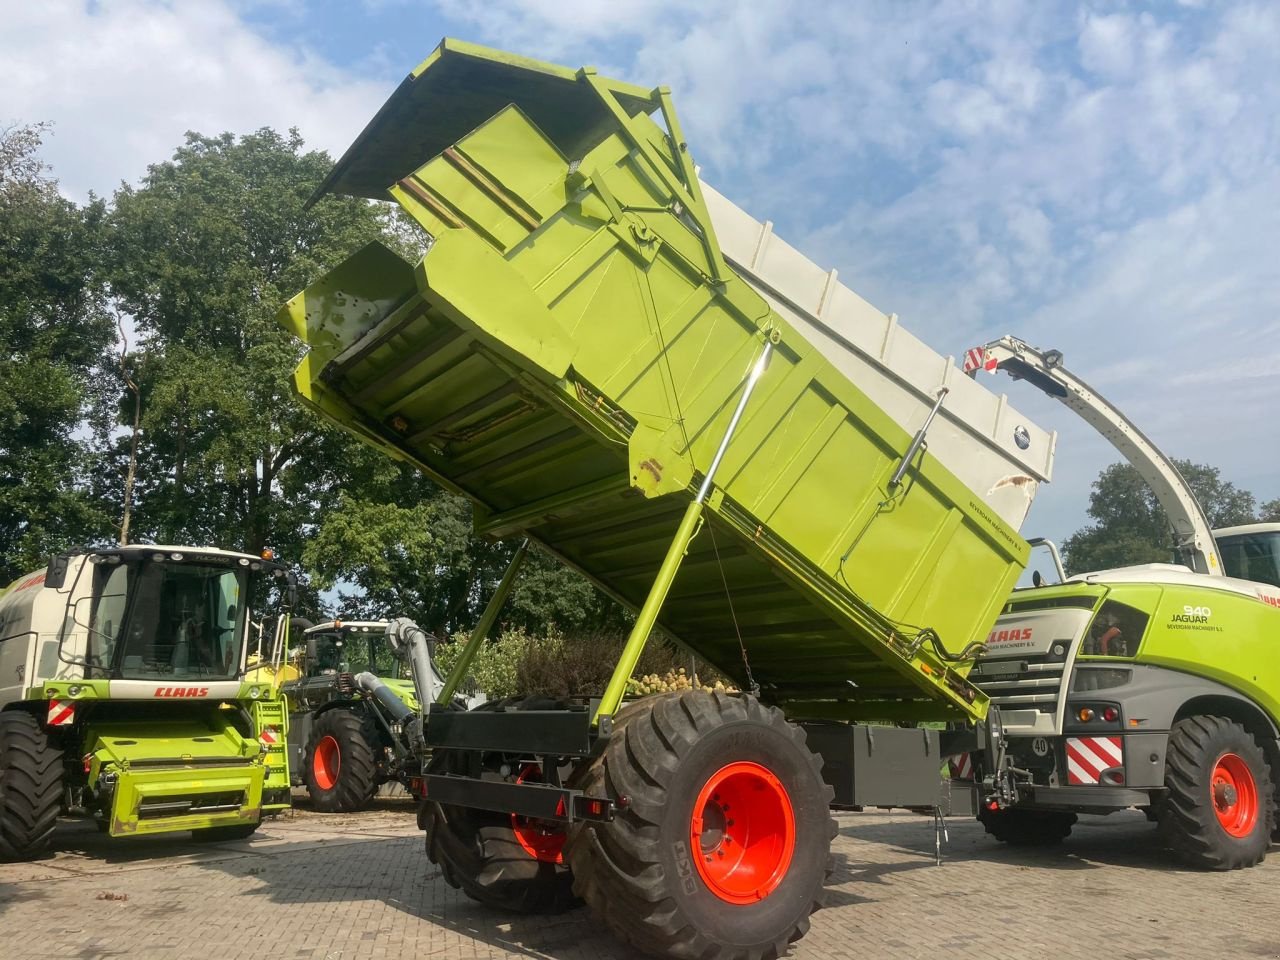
1102	177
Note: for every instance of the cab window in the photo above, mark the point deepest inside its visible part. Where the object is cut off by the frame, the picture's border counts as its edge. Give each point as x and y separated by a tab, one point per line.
1252	557
1116	631
111	600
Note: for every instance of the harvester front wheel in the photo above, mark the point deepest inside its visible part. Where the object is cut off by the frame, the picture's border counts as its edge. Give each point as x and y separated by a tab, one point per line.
721	845
338	766
1028	828
30	787
1219	811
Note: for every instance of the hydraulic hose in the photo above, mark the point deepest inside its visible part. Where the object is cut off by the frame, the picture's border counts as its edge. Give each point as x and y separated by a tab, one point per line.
375	688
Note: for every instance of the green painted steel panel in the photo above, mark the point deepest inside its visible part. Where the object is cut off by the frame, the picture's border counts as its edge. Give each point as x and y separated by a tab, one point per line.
568	353
179	774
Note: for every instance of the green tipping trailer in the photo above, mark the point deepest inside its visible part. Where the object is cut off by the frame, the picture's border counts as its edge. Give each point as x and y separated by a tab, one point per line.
575	353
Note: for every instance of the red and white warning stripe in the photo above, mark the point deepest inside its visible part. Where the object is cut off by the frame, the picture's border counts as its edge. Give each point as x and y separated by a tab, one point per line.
977	359
961	766
1088	757
269	736
61	713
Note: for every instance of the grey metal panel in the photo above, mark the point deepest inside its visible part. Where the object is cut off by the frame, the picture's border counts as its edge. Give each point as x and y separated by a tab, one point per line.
872	766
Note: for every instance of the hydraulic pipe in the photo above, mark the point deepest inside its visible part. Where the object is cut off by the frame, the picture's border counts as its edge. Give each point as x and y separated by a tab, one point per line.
689	526
487	619
394	706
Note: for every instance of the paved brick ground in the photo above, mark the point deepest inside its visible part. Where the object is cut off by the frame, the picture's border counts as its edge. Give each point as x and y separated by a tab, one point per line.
345	887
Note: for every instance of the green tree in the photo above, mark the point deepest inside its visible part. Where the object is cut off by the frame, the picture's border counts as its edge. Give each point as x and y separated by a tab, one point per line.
202	254
55	333
408	550
1270	511
1129	526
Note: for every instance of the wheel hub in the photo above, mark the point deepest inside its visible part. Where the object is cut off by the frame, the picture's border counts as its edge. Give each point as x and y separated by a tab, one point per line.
1235	795
743	829
541	839
326	763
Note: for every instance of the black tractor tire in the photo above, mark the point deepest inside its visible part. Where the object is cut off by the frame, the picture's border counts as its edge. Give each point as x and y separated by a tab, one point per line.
1215	772
240	831
338	765
672	763
1028	828
479	853
30	787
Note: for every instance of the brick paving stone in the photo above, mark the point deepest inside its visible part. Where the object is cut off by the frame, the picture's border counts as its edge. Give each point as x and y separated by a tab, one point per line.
315	887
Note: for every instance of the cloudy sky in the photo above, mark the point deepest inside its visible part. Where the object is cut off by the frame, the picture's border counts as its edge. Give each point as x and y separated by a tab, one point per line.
1102	177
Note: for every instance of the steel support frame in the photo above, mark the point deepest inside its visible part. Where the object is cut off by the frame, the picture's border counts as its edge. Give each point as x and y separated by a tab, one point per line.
690	523
535	800
481	632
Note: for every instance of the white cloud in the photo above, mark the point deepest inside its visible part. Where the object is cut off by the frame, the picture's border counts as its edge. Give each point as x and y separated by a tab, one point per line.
1108	44
123	81
1092	179
1101	182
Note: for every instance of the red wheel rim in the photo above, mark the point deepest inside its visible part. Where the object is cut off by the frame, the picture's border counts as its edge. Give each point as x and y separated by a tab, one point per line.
326	762
541	839
1235	795
743	833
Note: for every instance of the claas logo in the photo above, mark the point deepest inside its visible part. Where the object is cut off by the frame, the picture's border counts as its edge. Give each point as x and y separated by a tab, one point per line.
182	691
1010	636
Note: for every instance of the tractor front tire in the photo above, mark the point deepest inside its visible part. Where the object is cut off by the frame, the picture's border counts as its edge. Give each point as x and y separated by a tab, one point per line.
721	843
338	766
1028	828
1219	810
30	787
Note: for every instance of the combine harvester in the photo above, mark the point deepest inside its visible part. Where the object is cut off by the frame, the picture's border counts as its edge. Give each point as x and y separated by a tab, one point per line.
134	690
614	362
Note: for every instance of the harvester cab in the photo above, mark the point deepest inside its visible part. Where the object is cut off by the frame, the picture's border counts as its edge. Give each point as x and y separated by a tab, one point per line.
135	688
1251	551
354	709
1151	686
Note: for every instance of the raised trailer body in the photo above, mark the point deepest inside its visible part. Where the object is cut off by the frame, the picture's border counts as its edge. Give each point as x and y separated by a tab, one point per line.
569	352
614	362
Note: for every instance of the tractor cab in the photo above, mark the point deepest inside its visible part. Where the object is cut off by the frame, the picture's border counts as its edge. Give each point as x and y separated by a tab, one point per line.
349	647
